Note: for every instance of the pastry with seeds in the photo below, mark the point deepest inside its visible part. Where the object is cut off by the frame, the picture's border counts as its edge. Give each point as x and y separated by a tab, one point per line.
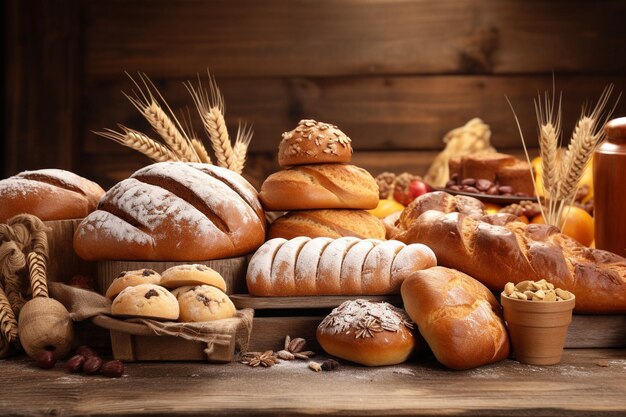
146	301
130	279
205	303
186	275
313	142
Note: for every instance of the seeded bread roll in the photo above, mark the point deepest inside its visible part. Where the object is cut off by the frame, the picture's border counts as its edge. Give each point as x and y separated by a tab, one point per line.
205	303
174	211
146	301
328	223
458	317
371	334
324	266
50	194
313	142
189	275
131	279
327	186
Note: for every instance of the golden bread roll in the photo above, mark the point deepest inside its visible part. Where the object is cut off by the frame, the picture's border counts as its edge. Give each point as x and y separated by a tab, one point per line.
458	317
324	266
131	279
205	303
313	142
146	301
371	334
50	194
326	186
174	211
190	275
328	223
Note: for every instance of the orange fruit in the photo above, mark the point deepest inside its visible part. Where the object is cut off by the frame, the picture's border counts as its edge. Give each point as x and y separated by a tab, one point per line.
536	164
491	208
578	224
386	207
523	219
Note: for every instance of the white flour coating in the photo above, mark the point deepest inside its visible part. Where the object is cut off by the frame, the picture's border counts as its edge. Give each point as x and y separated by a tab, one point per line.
218	197
64	177
307	263
329	268
377	267
260	265
282	274
15	186
112	226
406	261
353	315
352	266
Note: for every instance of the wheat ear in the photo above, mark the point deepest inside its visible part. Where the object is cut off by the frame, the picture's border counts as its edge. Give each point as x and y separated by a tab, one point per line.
211	111
169	128
140	142
8	323
244	136
197	144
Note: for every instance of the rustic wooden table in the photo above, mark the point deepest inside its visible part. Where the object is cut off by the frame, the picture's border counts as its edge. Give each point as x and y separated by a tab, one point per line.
587	382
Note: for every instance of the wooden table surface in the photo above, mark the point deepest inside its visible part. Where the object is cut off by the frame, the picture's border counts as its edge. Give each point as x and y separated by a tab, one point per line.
587	382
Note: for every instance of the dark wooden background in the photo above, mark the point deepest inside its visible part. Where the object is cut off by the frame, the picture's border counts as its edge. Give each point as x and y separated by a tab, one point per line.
394	75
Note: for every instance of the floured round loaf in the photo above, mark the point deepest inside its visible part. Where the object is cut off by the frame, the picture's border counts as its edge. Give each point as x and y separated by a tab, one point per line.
372	334
458	316
50	194
326	186
328	223
324	266
313	142
174	211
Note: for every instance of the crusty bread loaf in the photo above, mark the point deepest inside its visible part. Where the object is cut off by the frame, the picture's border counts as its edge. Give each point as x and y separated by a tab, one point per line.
485	165
50	194
205	303
328	223
324	266
313	142
496	249
146	301
518	177
326	186
174	211
458	317
372	334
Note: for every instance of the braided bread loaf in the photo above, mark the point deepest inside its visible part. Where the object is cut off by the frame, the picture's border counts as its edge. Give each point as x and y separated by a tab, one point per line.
325	266
174	211
496	249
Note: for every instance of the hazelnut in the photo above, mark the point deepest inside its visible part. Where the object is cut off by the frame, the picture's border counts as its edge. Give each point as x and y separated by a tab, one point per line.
483	184
468	181
46	359
92	365
330	365
505	189
75	363
113	369
86	351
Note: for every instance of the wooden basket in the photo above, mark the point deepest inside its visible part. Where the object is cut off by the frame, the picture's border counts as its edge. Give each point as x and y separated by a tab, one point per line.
133	342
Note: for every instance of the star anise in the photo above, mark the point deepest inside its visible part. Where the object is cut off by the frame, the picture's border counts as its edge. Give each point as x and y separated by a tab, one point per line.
367	327
293	347
254	359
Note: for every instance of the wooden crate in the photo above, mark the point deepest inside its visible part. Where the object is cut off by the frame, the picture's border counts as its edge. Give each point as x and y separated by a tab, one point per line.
63	262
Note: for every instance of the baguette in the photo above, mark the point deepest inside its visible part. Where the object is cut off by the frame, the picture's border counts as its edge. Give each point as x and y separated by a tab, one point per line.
496	249
458	317
323	266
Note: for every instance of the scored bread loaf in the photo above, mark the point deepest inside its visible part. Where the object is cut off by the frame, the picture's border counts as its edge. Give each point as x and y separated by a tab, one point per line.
327	223
313	142
458	317
325	186
174	211
50	194
496	249
324	266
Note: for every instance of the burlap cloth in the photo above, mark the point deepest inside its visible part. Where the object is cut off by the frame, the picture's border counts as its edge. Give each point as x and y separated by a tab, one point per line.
84	304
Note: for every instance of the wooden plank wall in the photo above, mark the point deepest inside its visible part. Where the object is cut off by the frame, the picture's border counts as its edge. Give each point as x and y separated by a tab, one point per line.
394	75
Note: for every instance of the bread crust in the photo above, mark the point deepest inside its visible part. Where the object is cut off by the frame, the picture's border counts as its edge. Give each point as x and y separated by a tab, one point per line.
313	142
146	301
205	303
131	279
192	275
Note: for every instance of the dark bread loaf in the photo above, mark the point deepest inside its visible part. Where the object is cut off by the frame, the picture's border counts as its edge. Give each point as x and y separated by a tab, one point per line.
496	249
50	194
174	211
458	317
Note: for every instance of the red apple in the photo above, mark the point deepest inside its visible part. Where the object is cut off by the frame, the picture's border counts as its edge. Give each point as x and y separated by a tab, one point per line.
415	188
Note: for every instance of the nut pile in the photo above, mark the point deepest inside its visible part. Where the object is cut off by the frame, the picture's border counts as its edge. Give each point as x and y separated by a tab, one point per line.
481	186
536	291
85	360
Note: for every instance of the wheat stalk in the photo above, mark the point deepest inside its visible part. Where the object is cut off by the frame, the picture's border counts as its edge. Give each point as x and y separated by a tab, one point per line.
170	130
140	142
197	144
211	111
244	136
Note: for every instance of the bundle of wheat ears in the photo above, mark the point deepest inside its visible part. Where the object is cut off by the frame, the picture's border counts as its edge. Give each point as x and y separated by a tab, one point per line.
180	142
562	169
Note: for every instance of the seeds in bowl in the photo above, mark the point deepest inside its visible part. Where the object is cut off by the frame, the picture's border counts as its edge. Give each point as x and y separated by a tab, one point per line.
541	290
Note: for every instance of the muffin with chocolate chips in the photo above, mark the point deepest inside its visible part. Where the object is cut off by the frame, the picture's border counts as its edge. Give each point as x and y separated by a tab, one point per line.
195	274
130	279
146	301
205	303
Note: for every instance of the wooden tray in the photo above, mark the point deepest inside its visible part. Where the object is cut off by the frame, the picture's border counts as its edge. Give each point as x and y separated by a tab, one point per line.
322	301
232	269
133	342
